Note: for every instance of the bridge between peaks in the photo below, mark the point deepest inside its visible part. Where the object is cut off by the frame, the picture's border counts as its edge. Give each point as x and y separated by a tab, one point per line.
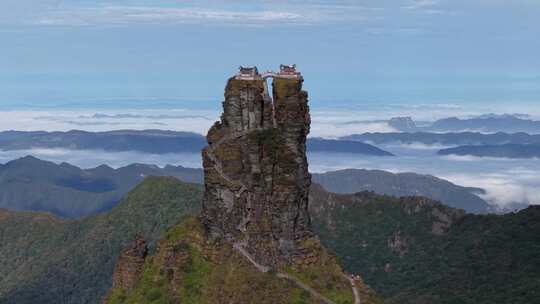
285	72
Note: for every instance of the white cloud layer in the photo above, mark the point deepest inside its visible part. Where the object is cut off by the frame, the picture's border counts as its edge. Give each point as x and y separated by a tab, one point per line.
198	121
329	123
503	188
505	181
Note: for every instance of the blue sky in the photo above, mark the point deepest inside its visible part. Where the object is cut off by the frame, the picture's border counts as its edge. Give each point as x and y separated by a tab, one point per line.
63	53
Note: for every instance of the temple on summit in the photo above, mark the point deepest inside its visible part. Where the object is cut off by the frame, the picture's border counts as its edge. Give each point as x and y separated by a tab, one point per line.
252	73
248	73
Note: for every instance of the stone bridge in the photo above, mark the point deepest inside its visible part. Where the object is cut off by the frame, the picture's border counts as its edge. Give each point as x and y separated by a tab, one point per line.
271	74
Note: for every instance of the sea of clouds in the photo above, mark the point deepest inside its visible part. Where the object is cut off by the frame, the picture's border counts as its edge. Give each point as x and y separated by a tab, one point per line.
329	122
506	181
96	120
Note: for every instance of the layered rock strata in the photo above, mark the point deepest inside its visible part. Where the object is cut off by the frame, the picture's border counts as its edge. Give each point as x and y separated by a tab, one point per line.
256	172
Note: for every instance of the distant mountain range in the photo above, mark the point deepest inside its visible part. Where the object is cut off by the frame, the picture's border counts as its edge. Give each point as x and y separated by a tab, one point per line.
504	151
493	123
488	123
150	141
30	184
449	139
344	146
403	184
68	191
410	250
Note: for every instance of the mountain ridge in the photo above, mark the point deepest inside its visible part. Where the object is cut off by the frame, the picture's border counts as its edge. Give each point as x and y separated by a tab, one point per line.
148	141
452	138
483	123
85	191
403	184
515	151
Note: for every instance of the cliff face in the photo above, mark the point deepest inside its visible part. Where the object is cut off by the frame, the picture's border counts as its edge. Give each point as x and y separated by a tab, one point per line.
256	172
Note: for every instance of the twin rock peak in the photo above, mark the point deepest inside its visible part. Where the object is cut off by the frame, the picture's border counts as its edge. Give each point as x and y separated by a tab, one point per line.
256	172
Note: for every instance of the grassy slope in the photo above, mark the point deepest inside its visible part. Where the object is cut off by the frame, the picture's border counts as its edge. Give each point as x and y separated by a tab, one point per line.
47	257
213	272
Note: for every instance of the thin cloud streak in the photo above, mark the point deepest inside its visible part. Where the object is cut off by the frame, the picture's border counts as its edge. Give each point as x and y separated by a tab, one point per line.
127	14
421	4
60	13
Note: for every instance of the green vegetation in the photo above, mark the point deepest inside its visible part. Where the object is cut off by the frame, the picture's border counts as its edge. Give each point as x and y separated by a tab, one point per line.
410	250
392	244
270	141
326	276
47	260
189	278
206	272
285	87
197	270
153	289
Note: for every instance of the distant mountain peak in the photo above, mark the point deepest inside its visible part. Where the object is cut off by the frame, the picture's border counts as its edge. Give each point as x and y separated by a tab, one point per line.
403	123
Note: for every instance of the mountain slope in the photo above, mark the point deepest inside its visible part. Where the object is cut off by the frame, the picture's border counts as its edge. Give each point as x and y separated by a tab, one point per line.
403	184
47	260
188	267
410	250
414	250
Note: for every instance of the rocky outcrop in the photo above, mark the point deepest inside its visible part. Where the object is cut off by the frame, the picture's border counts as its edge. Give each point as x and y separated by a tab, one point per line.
398	244
444	218
188	267
130	265
256	172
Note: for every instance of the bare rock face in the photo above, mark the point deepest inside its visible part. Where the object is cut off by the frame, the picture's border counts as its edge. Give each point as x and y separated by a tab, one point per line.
256	172
130	265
